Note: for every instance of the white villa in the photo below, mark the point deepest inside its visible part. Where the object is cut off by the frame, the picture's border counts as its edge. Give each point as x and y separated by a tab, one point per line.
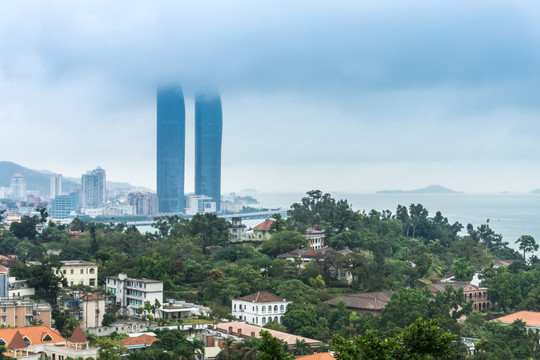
259	308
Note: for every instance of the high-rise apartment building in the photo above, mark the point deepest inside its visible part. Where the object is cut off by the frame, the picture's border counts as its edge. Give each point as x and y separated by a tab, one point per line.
56	185
171	137
94	188
208	134
17	188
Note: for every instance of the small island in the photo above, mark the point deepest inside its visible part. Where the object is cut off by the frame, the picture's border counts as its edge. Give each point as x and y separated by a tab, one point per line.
432	189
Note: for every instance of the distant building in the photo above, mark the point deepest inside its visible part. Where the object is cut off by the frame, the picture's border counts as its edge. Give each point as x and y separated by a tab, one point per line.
93	306
199	204
363	303
132	293
21	312
94	189
471	292
145	203
171	144
237	230
259	308
79	272
56	185
17	189
208	135
315	237
262	231
64	206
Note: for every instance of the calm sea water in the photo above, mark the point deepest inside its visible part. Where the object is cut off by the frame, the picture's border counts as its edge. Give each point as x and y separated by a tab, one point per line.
510	215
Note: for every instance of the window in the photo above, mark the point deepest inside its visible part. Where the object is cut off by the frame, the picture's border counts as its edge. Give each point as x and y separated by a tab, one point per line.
4	321
281	308
27	341
47	338
64	271
92	282
71	271
2	342
82	271
92	270
4	309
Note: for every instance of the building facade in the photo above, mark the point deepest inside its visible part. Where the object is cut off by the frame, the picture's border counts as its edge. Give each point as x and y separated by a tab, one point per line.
145	203
132	294
17	188
471	292
171	138
62	206
259	308
79	272
315	237
94	189
56	185
208	136
20	312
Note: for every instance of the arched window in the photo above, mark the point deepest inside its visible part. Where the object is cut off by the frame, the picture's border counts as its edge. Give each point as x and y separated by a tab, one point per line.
474	306
91	271
234	306
263	320
281	308
275	308
470	295
263	309
275	319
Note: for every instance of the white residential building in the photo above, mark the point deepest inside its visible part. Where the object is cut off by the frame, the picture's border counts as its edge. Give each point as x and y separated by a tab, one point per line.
79	272
132	294
259	308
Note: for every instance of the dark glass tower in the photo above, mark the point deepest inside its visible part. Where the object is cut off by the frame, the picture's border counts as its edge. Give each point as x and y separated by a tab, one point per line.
171	143
208	133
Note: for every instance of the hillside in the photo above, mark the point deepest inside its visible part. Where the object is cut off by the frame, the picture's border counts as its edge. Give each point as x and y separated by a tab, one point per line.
35	180
432	189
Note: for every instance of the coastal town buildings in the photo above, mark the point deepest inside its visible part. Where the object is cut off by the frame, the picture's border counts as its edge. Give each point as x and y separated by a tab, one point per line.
79	272
132	294
259	308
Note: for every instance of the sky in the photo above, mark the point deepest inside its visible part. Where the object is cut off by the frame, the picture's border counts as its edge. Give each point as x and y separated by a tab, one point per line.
350	96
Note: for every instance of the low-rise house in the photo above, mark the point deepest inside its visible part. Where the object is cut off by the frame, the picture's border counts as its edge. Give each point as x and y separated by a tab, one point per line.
37	342
363	303
216	333
259	308
79	272
262	231
19	288
132	294
471	292
315	237
237	230
142	341
93	307
530	318
179	309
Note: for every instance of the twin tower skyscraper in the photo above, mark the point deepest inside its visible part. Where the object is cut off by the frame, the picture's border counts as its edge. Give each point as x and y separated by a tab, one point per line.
171	145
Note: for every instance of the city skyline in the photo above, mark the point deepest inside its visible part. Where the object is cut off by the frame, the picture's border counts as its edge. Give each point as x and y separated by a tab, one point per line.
368	96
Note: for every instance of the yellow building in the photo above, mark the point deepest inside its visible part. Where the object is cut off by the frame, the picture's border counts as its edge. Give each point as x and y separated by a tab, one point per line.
79	272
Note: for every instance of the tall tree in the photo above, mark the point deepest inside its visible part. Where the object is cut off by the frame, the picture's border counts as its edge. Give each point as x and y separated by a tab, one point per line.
527	244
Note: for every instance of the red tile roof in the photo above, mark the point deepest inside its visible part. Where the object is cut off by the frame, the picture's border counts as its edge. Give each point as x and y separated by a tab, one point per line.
319	356
141	340
531	318
93	296
246	330
17	342
78	336
261	297
35	334
264	226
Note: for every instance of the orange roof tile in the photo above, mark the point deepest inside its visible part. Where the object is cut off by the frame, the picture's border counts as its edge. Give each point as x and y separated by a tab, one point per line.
143	339
35	334
264	226
78	336
531	318
248	329
93	296
319	356
17	342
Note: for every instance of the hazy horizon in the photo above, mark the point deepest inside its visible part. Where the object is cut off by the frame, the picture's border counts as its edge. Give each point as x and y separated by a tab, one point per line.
350	97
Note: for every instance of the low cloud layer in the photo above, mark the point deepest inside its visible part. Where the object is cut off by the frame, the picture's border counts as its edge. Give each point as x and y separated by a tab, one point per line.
351	89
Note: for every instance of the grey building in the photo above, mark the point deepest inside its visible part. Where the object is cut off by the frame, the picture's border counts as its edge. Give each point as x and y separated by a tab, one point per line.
94	188
208	135
171	137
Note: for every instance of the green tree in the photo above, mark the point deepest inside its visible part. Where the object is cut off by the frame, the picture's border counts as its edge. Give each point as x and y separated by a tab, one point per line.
110	349
271	348
527	244
462	270
108	319
282	242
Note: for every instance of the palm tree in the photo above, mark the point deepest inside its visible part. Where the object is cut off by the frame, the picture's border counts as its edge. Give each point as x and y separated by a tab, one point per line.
301	347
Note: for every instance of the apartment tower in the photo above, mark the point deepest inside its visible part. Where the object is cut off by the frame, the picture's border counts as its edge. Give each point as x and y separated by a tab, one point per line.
171	137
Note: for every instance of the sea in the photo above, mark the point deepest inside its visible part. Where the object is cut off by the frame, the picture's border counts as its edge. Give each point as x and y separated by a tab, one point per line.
508	214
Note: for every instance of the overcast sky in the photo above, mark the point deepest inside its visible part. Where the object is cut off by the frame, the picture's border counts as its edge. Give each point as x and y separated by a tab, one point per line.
353	96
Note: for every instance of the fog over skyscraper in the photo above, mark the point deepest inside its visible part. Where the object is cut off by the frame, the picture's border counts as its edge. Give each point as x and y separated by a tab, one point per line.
171	138
208	134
